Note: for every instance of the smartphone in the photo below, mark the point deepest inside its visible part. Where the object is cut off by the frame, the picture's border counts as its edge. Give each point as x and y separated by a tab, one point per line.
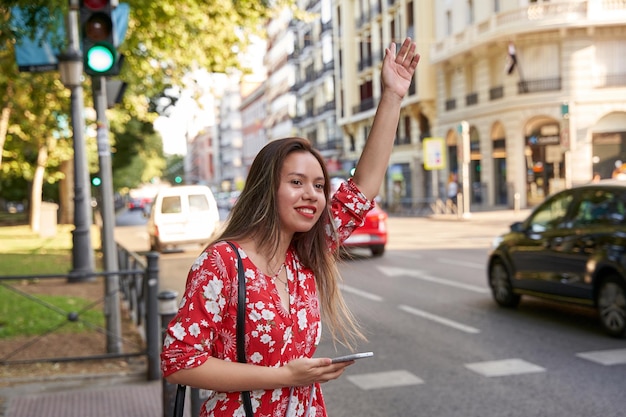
352	357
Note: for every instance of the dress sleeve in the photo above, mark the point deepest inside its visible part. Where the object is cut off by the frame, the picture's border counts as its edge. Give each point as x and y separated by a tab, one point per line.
203	326
348	208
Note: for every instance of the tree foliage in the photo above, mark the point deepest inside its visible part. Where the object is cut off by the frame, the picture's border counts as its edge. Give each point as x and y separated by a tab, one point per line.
164	41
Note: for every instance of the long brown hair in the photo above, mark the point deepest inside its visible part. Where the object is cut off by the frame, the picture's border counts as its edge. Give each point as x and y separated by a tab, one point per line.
255	215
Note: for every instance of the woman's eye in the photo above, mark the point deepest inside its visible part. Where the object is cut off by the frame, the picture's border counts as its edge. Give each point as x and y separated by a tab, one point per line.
319	186
296	182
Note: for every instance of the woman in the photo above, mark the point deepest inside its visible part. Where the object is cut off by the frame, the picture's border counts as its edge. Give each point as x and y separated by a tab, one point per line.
286	230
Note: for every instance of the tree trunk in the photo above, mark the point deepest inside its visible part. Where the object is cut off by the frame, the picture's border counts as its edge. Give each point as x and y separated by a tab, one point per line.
37	189
66	192
4	127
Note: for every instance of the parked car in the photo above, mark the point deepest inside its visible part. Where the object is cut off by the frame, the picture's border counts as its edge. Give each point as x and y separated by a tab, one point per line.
135	204
571	248
180	215
372	233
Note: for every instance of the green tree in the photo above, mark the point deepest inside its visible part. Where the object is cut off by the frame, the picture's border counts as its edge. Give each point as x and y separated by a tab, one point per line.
164	41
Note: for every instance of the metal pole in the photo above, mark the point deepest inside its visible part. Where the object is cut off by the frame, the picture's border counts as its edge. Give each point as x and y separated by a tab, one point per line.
107	210
83	263
167	311
465	137
153	307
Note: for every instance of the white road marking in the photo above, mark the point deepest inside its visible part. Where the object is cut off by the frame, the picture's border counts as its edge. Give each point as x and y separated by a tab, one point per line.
384	380
361	293
439	319
411	256
456	262
414	273
605	357
504	367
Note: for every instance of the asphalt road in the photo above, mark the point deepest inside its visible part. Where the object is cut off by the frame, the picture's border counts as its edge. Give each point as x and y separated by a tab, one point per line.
441	345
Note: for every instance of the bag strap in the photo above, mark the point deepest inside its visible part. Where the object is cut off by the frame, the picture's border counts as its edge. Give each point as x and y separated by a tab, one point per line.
241	323
179	402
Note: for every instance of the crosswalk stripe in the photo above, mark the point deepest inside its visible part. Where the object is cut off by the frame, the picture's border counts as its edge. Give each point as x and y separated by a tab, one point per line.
504	367
388	379
439	319
605	357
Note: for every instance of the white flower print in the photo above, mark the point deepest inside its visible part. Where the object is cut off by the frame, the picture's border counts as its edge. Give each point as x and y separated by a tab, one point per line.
213	289
194	329
168	340
268	314
302	319
312	305
254	316
178	331
199	261
256	357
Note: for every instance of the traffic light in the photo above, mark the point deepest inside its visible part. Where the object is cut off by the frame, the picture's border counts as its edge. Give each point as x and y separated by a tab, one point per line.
98	38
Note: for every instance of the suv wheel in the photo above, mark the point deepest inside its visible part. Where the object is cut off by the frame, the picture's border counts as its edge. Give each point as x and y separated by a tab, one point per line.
611	302
501	287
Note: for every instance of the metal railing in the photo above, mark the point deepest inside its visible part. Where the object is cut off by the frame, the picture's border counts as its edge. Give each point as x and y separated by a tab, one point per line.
138	292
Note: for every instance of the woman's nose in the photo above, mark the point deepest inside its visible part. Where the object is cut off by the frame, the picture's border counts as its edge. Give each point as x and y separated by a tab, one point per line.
310	192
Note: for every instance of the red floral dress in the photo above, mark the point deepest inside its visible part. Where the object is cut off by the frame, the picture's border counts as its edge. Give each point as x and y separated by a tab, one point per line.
206	320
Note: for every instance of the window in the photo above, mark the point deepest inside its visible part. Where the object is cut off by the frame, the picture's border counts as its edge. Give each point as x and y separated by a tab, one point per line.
599	207
171	205
470	12
551	215
198	202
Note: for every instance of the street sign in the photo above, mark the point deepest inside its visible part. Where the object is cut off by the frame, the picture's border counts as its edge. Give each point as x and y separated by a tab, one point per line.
434	151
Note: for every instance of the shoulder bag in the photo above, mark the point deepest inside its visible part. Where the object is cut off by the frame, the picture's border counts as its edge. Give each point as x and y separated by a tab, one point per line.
179	402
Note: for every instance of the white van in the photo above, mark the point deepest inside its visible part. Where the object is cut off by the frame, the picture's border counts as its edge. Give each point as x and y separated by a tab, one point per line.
182	215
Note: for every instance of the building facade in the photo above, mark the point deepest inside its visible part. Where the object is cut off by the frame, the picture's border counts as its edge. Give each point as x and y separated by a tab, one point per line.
314	87
531	94
362	31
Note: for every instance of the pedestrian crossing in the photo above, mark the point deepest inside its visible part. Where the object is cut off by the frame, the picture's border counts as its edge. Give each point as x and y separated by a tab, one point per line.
489	369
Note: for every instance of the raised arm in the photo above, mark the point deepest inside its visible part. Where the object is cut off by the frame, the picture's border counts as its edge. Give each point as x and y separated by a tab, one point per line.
396	74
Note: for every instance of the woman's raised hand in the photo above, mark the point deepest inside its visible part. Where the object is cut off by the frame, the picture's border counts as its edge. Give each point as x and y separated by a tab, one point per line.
398	69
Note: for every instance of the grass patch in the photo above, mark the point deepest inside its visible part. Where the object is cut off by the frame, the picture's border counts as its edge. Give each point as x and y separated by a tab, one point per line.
21	316
24	252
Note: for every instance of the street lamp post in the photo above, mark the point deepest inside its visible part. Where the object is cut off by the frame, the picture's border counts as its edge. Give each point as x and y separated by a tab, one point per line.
71	71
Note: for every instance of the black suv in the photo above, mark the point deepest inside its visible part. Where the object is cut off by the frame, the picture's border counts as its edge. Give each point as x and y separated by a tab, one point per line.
571	248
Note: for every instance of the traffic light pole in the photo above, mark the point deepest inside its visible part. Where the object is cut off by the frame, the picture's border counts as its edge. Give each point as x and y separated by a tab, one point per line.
71	69
107	209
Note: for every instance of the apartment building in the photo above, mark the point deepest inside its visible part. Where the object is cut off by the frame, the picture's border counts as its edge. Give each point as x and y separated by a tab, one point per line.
314	87
531	94
281	75
362	30
232	173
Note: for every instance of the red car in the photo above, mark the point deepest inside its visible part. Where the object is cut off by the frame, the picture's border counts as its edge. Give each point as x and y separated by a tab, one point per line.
372	234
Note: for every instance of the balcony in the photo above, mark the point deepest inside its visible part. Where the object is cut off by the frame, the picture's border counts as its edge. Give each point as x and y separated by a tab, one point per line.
471	99
364	105
496	92
537	16
610	80
538	86
450	104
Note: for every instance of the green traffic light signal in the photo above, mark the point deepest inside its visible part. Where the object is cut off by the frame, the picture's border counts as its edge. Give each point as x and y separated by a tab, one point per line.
178	179
98	38
100	58
96	181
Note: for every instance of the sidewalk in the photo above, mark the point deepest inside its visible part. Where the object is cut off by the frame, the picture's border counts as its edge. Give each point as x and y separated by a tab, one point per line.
130	395
95	396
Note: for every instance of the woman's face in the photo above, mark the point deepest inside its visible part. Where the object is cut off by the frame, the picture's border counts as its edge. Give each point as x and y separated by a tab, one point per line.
300	197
